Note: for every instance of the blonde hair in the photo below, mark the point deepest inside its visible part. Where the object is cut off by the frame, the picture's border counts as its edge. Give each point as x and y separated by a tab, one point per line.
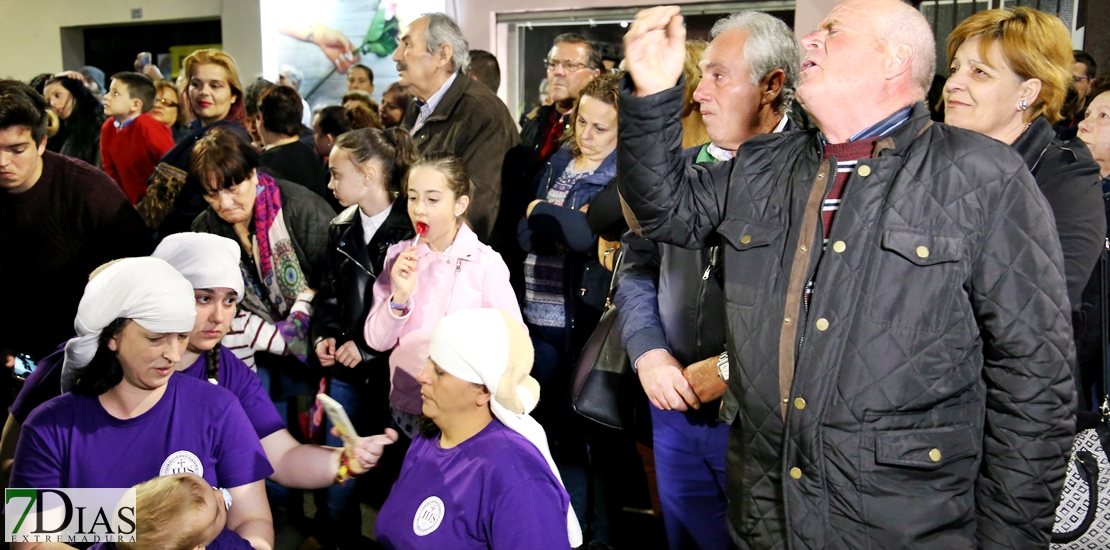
165	508
693	127
216	57
1033	43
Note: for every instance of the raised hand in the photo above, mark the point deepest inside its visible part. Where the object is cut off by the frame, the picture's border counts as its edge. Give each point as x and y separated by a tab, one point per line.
655	49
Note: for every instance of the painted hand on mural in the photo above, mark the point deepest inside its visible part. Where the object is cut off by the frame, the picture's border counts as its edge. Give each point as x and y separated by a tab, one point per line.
334	44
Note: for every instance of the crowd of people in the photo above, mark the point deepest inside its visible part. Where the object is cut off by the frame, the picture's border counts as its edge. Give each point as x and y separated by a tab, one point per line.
860	315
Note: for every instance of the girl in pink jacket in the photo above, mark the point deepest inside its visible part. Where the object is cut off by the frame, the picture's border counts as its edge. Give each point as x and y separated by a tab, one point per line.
447	270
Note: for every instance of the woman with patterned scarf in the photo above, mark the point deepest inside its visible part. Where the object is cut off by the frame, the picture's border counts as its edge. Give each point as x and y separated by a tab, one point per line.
281	229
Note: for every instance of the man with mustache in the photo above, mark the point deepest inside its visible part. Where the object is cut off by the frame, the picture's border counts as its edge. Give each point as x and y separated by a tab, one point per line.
898	323
455	115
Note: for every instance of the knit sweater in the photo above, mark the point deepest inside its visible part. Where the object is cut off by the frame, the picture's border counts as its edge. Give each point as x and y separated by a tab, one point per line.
129	154
51	237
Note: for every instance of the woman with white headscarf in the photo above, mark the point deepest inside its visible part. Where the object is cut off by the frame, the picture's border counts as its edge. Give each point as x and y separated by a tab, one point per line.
126	408
481	476
211	265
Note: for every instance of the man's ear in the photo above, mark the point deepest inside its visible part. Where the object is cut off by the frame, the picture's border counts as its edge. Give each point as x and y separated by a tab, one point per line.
445	52
770	88
898	61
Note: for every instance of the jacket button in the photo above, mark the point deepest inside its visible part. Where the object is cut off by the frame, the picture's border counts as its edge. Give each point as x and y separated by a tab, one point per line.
822	324
787	320
803	248
799	403
745	239
864	170
922	252
934	455
839	247
796	473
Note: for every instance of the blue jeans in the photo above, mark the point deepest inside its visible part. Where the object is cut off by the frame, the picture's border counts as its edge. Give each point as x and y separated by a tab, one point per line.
690	471
339	520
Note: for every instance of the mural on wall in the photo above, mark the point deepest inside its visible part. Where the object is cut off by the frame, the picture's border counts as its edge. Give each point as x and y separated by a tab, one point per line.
323	39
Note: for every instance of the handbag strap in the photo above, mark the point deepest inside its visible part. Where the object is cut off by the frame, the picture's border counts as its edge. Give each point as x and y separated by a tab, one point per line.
1088	471
613	280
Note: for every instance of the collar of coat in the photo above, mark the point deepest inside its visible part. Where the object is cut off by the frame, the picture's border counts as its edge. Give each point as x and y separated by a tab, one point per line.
465	246
446	105
900	139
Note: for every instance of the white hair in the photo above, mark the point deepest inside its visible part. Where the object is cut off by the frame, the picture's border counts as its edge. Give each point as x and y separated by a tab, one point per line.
293	74
443	30
908	26
770	45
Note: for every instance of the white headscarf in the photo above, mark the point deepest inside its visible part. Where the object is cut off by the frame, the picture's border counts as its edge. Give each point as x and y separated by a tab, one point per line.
206	260
148	291
488	347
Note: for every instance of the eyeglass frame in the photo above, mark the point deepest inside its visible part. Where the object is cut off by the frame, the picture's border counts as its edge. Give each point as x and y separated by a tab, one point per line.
166	103
570	66
1078	78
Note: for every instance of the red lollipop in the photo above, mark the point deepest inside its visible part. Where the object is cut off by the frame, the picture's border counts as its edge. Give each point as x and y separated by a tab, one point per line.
421	228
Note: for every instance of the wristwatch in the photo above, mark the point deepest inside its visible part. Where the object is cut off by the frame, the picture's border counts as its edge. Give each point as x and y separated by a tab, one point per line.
722	366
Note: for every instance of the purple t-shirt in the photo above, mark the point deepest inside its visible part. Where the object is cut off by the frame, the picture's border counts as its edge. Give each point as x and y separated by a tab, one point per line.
494	490
46	383
240	380
71	441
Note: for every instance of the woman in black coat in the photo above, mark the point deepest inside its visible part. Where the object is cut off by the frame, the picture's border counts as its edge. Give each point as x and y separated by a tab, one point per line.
1010	71
81	115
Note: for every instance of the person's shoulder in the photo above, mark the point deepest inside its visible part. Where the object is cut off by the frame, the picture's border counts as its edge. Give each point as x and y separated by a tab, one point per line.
78	175
196	392
347	217
479	101
513	458
58	411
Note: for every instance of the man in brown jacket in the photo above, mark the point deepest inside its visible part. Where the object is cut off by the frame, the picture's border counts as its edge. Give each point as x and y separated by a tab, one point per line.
455	115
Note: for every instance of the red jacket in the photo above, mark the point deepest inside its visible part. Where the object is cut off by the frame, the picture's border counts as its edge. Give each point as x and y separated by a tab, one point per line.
130	154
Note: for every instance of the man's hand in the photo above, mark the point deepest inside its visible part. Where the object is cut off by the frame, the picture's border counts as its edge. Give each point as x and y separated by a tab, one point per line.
325	352
348	354
705	381
368	451
655	49
666	388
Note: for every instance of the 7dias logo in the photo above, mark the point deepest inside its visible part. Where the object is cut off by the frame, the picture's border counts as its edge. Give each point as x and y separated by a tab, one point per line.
69	515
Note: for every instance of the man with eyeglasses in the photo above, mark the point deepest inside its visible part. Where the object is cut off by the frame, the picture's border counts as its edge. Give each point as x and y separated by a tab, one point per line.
455	115
571	64
1083	73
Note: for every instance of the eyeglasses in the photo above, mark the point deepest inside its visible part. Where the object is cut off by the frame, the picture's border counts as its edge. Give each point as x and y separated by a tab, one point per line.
165	102
1078	79
570	66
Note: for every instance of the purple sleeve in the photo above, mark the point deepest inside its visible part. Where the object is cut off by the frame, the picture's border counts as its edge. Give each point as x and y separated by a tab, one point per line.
41	386
229	540
240	459
38	455
532	516
238	378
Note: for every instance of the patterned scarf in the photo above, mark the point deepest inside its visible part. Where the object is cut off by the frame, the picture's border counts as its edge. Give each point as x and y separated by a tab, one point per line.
278	267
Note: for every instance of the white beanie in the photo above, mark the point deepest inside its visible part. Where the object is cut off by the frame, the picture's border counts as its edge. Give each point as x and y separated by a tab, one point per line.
207	261
148	291
488	347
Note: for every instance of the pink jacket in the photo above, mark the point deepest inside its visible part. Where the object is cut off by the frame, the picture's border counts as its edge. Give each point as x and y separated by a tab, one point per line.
469	275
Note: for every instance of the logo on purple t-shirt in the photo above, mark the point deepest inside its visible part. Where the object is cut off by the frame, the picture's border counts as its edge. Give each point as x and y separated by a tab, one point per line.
182	462
428	516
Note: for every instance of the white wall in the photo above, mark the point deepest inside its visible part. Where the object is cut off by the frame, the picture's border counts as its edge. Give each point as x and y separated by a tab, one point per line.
31	36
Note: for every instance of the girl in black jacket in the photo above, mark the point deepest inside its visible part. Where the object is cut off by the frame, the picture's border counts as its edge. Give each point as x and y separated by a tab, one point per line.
366	169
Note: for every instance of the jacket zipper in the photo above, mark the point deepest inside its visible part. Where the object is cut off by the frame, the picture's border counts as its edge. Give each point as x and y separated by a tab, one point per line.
451	294
701	294
344	252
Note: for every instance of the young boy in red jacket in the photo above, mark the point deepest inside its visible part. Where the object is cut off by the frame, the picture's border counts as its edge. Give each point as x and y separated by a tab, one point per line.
131	141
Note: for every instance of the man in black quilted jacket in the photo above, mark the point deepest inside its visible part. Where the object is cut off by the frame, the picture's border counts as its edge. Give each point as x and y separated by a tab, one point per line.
899	327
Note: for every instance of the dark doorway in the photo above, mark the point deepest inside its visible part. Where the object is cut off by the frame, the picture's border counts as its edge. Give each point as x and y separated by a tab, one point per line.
113	49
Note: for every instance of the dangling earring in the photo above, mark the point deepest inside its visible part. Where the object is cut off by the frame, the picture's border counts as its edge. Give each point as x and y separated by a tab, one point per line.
1023	105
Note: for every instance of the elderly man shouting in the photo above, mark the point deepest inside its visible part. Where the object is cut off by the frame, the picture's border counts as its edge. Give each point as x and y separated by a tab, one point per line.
898	324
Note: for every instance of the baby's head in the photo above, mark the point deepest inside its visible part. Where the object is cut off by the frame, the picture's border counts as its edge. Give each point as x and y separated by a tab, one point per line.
178	512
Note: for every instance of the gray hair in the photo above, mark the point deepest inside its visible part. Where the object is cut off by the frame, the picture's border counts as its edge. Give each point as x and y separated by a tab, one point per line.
443	30
770	45
293	74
